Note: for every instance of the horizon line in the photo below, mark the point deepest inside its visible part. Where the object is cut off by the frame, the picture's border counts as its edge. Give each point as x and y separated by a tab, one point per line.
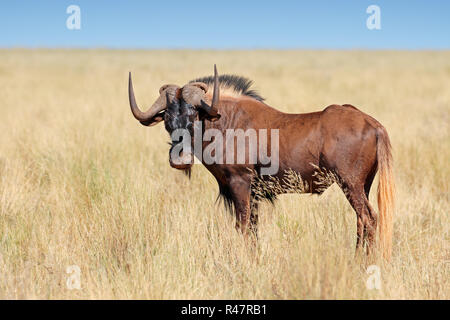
220	49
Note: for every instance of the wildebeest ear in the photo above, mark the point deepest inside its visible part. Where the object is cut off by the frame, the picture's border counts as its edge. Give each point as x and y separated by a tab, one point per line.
213	118
155	120
203	115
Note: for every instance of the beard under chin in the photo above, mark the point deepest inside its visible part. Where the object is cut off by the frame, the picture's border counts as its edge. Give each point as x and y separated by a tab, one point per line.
187	172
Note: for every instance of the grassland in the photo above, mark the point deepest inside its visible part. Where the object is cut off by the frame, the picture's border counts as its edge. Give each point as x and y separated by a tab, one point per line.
82	183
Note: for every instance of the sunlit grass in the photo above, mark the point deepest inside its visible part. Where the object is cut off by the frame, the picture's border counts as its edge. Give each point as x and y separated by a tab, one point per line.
83	183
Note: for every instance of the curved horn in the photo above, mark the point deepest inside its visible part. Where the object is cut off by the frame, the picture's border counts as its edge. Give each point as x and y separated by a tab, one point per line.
216	93
159	105
212	110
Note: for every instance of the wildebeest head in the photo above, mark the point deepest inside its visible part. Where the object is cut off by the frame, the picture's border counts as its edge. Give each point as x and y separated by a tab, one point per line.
179	108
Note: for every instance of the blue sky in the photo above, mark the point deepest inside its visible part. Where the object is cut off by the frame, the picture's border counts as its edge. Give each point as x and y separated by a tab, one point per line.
405	24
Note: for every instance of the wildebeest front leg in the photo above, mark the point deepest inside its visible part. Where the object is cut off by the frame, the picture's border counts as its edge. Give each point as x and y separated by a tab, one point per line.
254	216
240	189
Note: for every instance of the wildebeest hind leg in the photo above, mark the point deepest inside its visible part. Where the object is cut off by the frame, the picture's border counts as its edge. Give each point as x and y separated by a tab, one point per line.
371	228
357	199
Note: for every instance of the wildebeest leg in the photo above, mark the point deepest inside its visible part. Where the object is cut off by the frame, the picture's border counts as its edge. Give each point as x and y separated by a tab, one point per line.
371	227
240	191
254	217
373	217
369	180
357	199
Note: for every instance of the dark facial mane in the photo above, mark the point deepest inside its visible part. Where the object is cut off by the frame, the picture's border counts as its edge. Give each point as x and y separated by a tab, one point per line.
238	84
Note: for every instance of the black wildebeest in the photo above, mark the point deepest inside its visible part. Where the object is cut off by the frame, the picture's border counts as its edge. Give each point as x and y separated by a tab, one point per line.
340	140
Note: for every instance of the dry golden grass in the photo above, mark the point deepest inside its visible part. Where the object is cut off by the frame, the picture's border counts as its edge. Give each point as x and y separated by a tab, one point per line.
83	183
